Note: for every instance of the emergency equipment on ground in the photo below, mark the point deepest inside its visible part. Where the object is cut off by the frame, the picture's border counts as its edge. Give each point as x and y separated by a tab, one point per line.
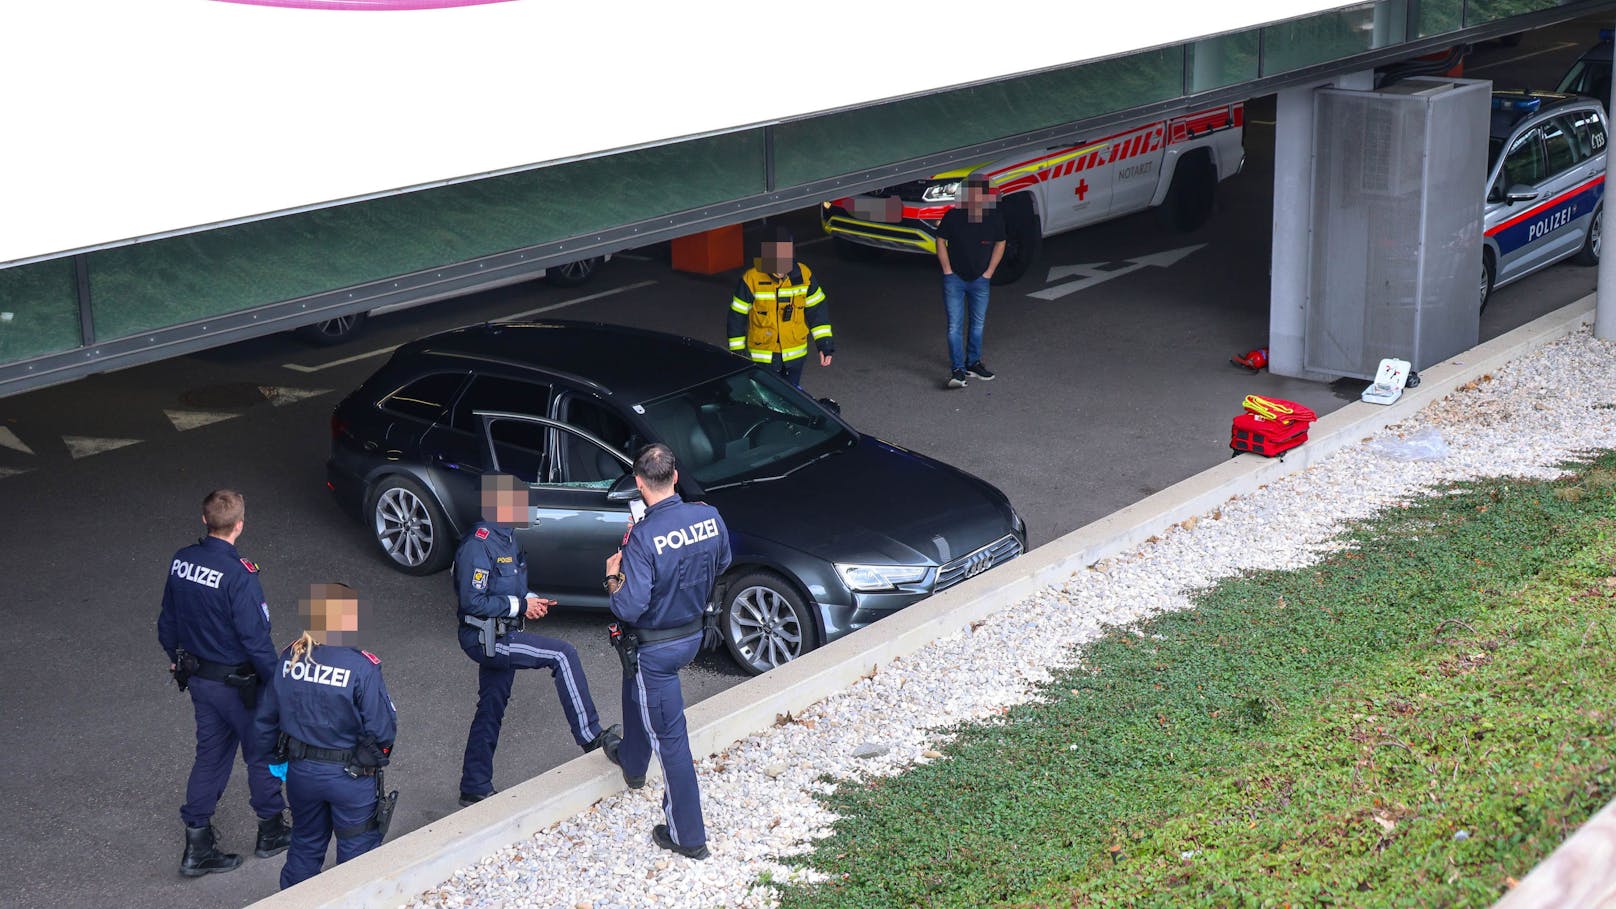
1270	426
1390	380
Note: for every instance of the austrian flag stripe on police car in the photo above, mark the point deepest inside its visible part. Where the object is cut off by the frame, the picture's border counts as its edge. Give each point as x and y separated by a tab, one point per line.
1540	220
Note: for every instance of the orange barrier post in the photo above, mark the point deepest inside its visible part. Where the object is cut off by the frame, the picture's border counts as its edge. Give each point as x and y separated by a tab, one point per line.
710	251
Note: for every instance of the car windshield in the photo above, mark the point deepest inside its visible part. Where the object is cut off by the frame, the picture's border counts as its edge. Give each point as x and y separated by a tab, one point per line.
1495	146
747	426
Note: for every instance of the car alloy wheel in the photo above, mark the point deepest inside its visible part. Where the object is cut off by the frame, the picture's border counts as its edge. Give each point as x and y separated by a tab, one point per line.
331	332
765	623
407	525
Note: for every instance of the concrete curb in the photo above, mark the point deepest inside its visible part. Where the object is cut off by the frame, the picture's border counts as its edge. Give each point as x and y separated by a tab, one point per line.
401	869
1582	872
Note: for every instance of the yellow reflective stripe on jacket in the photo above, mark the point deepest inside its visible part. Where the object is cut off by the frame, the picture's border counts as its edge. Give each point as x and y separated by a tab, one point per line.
763	294
737	343
791	291
793	353
820	332
739	305
762	356
817	298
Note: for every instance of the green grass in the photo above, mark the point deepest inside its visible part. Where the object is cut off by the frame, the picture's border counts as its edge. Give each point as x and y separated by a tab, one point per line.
1311	737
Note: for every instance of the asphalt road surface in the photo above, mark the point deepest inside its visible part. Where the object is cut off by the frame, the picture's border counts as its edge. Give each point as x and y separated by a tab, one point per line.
1104	396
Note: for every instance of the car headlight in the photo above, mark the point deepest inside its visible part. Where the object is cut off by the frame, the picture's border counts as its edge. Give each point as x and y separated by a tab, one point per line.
879	577
941	192
1016	523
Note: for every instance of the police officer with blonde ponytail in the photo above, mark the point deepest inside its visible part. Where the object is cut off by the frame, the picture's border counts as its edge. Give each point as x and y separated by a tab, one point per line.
330	720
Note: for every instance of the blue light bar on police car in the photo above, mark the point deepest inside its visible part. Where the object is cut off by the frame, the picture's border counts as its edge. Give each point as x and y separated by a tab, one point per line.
1516	104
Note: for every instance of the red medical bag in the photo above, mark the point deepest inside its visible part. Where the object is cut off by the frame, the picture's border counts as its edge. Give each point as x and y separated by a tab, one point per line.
1266	437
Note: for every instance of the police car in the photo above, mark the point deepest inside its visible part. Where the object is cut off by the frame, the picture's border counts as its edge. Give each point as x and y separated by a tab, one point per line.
830	529
1545	184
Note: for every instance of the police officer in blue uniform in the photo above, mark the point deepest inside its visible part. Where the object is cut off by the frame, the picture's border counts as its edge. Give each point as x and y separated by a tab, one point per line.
214	626
660	583
338	722
490	575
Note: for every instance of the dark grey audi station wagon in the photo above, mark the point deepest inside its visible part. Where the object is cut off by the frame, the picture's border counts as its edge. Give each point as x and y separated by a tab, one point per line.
831	529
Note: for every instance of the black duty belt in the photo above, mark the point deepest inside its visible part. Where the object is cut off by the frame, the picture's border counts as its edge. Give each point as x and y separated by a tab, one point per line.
653	635
218	672
302	751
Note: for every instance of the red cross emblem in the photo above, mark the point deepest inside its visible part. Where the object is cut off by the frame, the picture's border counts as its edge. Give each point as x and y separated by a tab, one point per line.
1082	189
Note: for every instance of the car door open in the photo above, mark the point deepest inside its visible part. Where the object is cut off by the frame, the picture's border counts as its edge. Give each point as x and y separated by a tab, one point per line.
573	523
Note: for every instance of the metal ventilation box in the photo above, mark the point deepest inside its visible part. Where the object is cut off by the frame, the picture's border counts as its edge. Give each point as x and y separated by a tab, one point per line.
1399	176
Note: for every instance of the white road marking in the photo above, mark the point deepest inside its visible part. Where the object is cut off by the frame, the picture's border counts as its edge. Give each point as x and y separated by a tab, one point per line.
1094	273
280	395
1519	57
11	472
84	446
298	367
9	439
191	419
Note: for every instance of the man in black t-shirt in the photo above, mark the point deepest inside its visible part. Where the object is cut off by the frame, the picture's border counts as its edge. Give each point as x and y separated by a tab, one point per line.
970	243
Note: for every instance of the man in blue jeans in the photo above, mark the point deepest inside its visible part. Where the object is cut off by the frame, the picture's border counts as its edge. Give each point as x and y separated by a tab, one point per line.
970	243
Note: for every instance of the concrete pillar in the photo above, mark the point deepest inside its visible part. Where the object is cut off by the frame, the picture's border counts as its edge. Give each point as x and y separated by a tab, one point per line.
1605	290
1293	222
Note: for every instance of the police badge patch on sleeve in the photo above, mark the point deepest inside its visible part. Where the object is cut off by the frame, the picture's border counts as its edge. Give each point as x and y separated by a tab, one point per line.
479	578
250	565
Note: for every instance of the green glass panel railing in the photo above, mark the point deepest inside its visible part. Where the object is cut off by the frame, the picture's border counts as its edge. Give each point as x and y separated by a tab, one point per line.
180	279
1480	12
850	141
1330	36
1224	60
1438	16
39	309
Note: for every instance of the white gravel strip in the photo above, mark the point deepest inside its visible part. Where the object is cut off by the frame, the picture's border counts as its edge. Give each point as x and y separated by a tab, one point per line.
759	795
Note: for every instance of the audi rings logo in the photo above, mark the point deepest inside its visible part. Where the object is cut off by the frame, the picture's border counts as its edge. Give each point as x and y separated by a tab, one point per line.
978	564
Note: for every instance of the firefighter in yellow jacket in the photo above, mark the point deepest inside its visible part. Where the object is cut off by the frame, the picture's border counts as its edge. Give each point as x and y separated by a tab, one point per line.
778	309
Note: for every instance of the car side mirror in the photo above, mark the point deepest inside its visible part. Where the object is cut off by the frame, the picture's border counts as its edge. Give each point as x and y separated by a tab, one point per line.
831	405
1520	192
623	490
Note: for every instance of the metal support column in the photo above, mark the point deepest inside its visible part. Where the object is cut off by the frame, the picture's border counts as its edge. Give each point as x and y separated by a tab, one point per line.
1293	222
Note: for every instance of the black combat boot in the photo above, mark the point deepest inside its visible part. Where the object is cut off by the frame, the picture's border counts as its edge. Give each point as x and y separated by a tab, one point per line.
202	856
608	740
661	836
274	835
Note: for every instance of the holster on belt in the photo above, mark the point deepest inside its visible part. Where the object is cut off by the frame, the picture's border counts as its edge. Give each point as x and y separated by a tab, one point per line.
243	677
490	629
627	645
380	819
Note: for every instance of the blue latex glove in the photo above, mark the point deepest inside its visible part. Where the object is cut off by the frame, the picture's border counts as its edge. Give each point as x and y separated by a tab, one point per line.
278	770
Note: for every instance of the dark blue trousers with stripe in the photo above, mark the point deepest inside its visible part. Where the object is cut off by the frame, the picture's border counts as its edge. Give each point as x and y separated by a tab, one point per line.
520	650
654	723
325	800
223	726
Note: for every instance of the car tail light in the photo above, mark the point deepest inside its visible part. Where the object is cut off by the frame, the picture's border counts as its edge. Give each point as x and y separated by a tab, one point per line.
330	485
339	426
